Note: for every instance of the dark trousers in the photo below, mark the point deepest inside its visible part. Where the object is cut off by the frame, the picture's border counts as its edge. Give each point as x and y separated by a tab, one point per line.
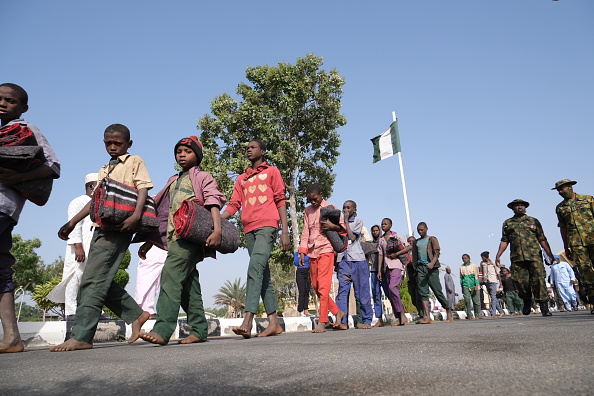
303	285
97	287
6	259
429	278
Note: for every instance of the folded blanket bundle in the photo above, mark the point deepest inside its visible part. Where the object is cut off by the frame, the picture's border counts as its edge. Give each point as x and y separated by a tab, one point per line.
113	202
194	222
19	152
338	241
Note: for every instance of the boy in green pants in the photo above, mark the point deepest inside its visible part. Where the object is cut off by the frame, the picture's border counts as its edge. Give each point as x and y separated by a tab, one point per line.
97	287
469	280
180	285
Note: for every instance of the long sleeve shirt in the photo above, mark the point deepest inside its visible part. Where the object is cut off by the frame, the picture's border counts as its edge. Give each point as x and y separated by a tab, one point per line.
258	193
313	240
469	275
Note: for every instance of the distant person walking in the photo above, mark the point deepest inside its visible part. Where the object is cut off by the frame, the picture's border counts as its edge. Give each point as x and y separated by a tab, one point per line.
513	301
563	277
471	286
492	282
450	287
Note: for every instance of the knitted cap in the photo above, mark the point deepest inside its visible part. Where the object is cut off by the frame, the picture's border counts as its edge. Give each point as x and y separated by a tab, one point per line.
193	143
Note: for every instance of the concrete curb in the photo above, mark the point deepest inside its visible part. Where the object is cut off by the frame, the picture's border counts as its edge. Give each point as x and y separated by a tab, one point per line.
53	333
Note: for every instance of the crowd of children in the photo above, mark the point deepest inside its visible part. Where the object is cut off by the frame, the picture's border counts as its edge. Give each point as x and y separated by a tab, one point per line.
259	194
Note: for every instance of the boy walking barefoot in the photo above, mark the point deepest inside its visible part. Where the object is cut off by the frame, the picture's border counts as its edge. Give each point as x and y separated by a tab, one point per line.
97	287
13	103
260	194
426	260
471	286
316	245
392	269
180	284
353	269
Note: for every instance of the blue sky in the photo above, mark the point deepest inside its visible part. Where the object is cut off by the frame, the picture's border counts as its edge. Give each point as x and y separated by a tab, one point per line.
494	99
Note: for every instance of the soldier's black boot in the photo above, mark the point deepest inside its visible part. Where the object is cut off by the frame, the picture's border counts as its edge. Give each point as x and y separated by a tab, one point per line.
544	309
527	310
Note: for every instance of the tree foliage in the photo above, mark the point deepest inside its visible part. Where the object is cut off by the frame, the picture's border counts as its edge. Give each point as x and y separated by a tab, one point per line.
232	295
29	270
40	297
295	110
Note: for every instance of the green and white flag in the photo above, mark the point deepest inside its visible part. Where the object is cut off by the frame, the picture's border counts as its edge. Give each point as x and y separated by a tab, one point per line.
387	144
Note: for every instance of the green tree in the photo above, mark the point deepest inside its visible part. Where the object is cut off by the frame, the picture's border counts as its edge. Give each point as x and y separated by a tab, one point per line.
232	295
406	297
295	109
27	312
27	273
40	297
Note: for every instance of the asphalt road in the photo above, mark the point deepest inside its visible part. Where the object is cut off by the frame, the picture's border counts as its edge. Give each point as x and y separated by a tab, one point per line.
508	356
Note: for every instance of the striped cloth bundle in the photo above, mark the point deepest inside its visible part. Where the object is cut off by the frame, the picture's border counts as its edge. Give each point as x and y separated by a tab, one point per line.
113	202
194	222
19	152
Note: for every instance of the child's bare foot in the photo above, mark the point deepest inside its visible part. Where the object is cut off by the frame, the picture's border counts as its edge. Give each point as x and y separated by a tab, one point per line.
245	333
450	316
191	339
15	346
425	320
320	328
137	326
271	331
71	345
363	326
379	323
339	317
153	338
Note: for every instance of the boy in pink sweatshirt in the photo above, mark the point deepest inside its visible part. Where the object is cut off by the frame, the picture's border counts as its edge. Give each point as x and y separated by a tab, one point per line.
260	194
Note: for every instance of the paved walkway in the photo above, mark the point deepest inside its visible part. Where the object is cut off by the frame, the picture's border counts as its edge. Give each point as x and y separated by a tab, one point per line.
509	356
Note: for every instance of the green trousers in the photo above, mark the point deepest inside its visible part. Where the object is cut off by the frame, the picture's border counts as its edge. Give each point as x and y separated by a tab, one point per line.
471	295
429	278
97	287
259	283
413	289
180	287
584	258
529	277
514	302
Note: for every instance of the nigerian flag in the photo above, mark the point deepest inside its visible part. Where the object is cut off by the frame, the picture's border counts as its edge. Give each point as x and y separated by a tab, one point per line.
387	144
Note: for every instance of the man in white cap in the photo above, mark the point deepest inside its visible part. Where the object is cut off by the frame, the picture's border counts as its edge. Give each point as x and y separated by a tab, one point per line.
77	248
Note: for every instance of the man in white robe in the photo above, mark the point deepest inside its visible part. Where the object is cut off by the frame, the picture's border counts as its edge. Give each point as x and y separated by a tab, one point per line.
77	249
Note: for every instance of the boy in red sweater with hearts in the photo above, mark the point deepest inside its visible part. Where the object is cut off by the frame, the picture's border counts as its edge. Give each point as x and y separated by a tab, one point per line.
260	194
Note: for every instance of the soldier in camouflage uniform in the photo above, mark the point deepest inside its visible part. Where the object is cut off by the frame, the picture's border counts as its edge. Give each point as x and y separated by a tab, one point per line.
526	237
576	223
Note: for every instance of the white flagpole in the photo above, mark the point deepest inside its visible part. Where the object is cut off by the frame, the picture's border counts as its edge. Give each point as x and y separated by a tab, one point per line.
410	230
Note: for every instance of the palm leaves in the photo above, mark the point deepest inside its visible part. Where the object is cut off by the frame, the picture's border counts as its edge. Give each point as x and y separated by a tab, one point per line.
233	296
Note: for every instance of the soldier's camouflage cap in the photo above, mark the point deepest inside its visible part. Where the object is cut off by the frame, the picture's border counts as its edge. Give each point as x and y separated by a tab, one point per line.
562	182
515	201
